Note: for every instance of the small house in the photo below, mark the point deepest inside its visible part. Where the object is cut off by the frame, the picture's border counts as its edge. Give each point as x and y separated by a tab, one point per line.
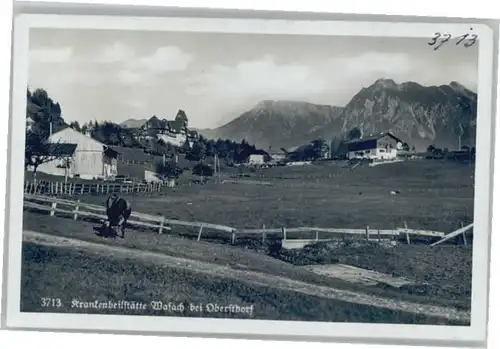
277	156
384	146
63	164
89	158
256	159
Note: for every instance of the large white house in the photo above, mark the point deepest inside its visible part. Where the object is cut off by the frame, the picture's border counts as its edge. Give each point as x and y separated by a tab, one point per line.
384	146
82	156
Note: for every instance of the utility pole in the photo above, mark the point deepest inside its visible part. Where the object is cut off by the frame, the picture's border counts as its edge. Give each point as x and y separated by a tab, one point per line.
218	168
215	165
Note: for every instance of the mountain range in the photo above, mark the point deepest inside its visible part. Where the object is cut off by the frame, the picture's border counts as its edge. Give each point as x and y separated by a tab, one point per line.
444	116
133	123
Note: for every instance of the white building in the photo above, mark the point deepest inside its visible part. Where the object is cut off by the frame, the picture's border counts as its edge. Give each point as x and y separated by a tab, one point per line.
88	158
384	146
176	139
256	159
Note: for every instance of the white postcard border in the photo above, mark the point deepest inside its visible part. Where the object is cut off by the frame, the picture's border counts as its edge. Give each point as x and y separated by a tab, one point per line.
482	200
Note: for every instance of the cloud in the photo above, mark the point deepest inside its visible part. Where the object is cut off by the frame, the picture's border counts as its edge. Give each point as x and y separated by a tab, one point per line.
148	68
382	63
329	80
164	59
258	79
118	52
51	55
116	63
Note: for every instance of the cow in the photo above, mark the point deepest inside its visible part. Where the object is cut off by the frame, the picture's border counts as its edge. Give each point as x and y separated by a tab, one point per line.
118	211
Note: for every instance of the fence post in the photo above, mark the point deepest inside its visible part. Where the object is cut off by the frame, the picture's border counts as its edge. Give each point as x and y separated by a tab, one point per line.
233	237
199	233
317	235
463	234
263	233
81	191
378	235
407	234
367	232
53	207
162	221
284	232
77	207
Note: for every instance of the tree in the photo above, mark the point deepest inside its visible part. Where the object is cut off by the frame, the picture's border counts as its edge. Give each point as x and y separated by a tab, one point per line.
203	170
406	147
431	148
354	133
39	150
197	152
317	146
44	112
75	126
169	170
66	164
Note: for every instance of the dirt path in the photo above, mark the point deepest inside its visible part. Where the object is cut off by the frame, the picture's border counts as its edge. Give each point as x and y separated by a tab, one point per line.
251	277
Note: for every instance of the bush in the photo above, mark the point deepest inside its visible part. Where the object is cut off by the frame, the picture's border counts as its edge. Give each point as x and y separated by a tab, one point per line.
203	170
169	170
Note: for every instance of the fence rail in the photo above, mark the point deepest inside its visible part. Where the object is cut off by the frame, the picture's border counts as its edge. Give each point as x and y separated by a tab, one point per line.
77	209
70	188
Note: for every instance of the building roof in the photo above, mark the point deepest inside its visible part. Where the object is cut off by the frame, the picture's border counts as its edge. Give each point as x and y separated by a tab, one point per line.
110	152
175	125
106	148
62	149
374	138
370	142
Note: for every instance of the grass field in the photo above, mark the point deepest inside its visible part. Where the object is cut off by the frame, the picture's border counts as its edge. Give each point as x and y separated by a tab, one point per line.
433	195
446	268
72	274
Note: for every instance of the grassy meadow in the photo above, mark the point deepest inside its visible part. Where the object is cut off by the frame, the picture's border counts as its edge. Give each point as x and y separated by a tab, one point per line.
433	195
73	274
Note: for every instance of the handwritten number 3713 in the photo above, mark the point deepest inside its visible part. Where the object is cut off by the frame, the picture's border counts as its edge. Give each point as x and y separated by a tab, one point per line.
440	39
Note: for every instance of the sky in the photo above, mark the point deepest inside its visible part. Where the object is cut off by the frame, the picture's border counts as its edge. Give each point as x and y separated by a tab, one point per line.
117	75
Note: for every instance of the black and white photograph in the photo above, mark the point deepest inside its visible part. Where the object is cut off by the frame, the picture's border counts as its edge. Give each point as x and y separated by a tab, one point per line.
317	177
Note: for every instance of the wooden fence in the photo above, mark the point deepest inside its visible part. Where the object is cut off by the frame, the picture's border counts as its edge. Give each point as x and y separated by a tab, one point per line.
160	224
61	188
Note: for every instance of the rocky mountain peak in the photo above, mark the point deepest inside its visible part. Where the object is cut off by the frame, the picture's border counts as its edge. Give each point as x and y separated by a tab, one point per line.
420	115
384	83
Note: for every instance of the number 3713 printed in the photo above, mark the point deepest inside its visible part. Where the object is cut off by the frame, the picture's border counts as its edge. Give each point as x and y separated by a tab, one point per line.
439	39
48	302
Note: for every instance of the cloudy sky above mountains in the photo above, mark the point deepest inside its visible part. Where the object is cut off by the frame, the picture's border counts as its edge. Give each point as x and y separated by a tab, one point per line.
117	75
